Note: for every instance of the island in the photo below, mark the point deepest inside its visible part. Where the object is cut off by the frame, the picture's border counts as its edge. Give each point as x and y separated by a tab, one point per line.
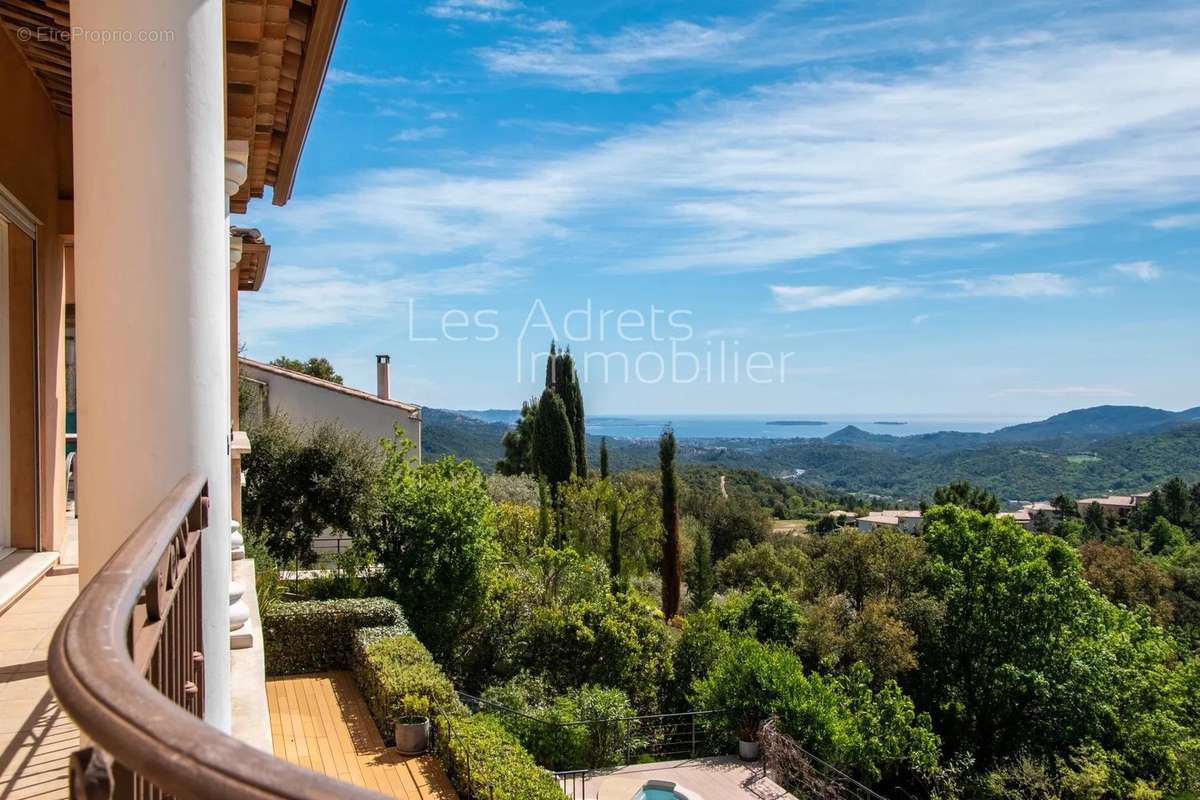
885	422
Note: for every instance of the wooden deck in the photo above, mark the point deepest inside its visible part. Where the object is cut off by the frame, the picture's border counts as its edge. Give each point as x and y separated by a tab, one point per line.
320	721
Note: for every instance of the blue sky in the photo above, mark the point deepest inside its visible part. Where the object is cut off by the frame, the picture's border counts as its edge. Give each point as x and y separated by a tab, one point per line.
903	208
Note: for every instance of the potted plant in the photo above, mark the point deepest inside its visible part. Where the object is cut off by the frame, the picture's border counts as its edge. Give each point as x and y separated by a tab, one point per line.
747	729
412	726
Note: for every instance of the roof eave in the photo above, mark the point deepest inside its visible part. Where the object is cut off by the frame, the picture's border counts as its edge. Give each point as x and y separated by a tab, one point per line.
322	35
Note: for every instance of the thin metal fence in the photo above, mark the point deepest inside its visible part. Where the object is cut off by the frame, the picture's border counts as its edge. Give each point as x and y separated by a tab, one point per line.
457	759
798	770
616	741
573	783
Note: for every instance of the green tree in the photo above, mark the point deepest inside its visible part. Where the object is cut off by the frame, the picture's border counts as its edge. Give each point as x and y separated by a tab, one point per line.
553	445
732	520
572	395
545	526
301	482
1165	537
1096	522
1178	502
765	615
588	507
611	641
701	579
1146	513
518	444
316	367
435	542
964	495
776	566
1028	658
1065	507
1127	578
614	526
876	564
872	735
672	568
563	380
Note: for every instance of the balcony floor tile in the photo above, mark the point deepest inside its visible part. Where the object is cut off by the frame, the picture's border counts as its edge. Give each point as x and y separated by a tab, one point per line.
36	735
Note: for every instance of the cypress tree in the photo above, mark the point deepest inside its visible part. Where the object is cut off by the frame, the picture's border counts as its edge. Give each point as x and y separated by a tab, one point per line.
672	569
551	365
703	582
543	510
553	444
614	530
567	387
614	550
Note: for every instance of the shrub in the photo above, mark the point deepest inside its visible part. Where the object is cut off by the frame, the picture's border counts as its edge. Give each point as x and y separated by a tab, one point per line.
496	759
398	677
267	586
615	641
872	735
435	542
517	489
545	724
316	636
766	615
301	481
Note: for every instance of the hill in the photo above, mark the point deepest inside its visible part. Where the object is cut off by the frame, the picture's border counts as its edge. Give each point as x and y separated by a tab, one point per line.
1102	449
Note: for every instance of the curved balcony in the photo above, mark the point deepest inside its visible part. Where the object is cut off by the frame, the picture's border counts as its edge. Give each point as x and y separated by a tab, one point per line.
127	664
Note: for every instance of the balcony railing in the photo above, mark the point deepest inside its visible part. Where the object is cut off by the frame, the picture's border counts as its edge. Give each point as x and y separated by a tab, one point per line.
127	664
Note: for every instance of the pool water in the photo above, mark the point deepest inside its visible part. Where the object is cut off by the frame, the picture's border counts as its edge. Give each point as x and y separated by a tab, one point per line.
655	794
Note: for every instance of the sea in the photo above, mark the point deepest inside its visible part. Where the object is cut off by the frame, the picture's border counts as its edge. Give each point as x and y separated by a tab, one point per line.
772	426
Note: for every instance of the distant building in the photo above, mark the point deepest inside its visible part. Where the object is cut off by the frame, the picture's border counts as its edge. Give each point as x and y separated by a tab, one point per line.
308	400
904	519
1115	505
1022	517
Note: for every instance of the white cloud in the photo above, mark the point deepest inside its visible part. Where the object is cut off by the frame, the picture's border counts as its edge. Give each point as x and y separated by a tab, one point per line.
598	63
1177	221
472	10
556	127
1141	270
920	319
981	146
1021	285
345	77
808	298
301	298
419	134
1068	391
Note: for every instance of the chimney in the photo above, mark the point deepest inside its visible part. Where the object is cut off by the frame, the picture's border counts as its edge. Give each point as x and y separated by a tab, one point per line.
383	374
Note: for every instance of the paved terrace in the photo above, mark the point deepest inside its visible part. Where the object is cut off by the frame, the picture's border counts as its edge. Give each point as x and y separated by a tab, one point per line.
36	736
724	778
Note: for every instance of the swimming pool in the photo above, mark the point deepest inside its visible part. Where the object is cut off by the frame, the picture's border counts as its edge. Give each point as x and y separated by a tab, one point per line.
656	794
664	790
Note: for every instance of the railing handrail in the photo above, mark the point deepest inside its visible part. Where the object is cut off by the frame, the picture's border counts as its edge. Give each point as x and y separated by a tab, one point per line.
116	708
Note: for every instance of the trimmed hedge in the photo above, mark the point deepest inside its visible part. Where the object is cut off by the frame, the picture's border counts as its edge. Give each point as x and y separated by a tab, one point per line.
398	677
317	635
496	757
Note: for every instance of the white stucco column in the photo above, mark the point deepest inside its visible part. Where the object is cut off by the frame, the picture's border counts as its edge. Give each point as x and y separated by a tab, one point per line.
237	160
152	282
